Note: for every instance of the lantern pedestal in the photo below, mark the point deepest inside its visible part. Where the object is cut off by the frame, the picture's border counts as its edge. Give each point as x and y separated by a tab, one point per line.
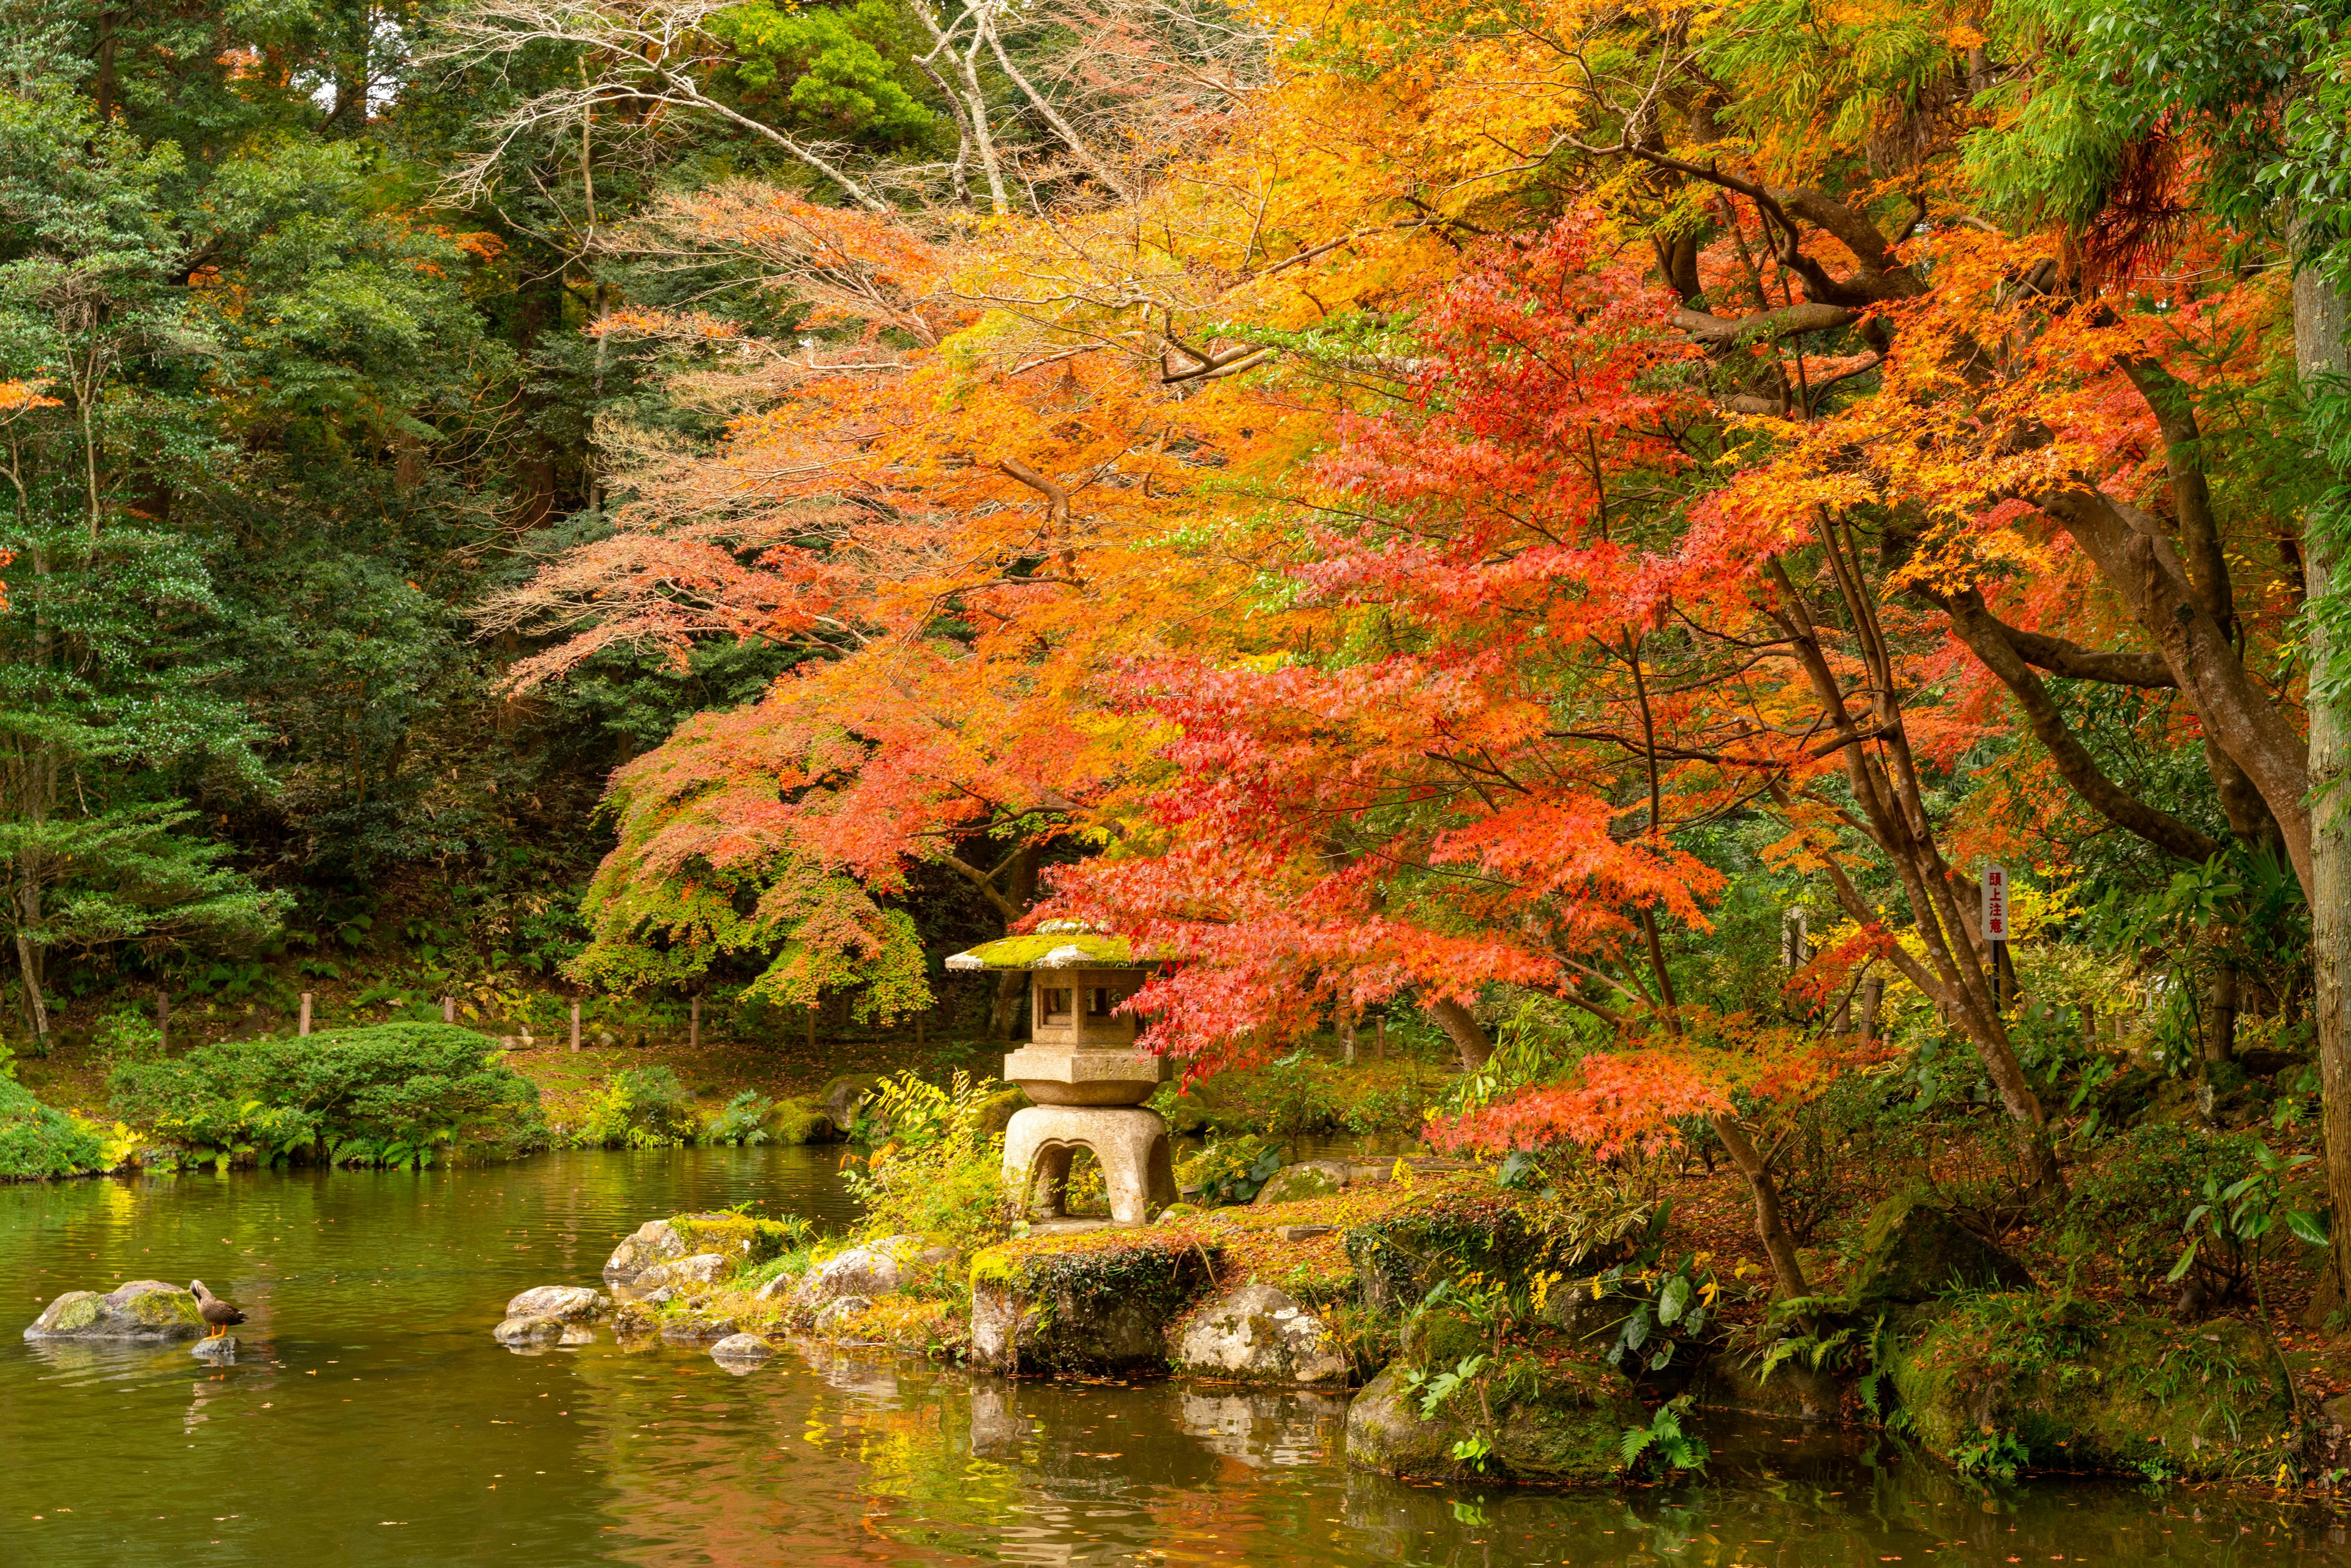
1128	1142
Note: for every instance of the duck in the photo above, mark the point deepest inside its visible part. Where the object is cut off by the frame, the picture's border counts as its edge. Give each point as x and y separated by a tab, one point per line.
218	1315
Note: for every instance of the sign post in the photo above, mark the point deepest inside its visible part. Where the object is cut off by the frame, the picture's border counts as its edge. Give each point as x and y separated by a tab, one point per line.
1995	930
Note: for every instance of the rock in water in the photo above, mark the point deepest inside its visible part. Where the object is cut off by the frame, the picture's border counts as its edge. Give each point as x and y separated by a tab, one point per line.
655	1241
566	1304
1259	1333
1915	1250
142	1310
876	1268
221	1352
838	1312
1569	1431
696	1326
530	1330
741	1351
702	1269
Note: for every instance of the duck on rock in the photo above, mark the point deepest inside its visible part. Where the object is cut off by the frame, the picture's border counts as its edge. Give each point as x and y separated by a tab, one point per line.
218	1315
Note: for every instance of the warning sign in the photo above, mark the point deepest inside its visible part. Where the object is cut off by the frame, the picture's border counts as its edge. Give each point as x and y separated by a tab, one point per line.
1995	904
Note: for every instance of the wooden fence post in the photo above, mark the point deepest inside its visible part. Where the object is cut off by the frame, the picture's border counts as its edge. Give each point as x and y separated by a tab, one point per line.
575	1026
163	1019
448	1010
302	1029
694	1025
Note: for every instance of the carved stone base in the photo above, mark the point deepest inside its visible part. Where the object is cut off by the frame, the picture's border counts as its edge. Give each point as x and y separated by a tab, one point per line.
1130	1144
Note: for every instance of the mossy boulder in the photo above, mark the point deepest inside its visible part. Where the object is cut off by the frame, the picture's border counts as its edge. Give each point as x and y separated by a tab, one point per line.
2019	1380
1102	1301
741	1239
144	1310
996	1112
1569	1431
1915	1249
842	1096
802	1121
1309	1178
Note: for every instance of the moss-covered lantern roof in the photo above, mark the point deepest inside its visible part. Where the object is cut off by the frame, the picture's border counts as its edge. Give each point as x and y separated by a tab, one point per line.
1058	945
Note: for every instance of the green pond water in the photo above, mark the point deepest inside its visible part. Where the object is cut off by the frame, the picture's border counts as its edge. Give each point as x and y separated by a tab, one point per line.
372	1419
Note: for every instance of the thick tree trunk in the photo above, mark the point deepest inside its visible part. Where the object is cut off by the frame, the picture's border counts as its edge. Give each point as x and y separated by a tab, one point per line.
1461	1027
2322	324
1004	1007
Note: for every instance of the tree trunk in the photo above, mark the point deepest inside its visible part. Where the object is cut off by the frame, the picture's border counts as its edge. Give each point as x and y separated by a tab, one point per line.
2321	323
1461	1027
1004	1009
2221	1017
1787	1272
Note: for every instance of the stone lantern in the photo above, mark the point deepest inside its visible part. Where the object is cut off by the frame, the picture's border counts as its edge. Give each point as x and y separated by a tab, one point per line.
1082	1067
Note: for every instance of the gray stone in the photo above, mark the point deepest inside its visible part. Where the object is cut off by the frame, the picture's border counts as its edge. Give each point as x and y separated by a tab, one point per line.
1260	1334
742	1350
1302	1232
221	1352
530	1330
696	1326
142	1310
875	1269
1309	1178
659	1296
842	1096
567	1303
655	1241
702	1269
839	1312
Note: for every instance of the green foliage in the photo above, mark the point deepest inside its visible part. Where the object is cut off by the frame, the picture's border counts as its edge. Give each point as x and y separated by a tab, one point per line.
2133	1205
2236	1219
743	1120
38	1143
1663	1444
845	66
642	1108
1229	1170
941	1173
386	1094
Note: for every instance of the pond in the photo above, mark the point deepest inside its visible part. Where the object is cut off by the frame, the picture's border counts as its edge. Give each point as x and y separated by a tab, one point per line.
372	1419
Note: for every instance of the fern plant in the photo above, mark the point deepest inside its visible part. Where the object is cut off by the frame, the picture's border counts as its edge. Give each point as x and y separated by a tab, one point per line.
1663	1446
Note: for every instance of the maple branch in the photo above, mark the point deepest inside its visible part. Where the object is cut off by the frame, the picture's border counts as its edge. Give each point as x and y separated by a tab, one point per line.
1056	511
1729	332
1983	634
979	879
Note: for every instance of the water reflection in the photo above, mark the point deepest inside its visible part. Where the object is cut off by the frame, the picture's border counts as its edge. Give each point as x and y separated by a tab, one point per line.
372	1419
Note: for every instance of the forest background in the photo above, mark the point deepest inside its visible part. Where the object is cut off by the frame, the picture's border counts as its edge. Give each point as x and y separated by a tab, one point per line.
1473	514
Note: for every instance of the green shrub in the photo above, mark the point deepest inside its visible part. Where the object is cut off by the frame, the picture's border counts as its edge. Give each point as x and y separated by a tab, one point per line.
126	1035
2131	1208
388	1094
642	1108
942	1174
38	1143
743	1121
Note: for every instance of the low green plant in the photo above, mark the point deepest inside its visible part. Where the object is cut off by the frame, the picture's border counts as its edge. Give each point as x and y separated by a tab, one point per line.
1229	1170
943	1177
2241	1217
743	1121
2000	1454
388	1094
127	1034
2131	1208
38	1143
1664	1445
642	1108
